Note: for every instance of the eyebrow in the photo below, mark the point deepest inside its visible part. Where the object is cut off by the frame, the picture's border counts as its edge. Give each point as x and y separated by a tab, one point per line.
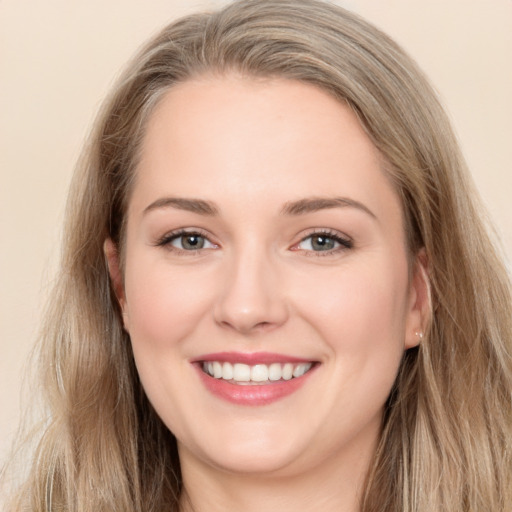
198	206
314	204
299	207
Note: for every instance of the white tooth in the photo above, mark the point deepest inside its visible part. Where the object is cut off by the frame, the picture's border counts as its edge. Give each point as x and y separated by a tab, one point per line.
210	368
275	372
301	369
227	371
241	372
259	373
217	370
298	371
287	371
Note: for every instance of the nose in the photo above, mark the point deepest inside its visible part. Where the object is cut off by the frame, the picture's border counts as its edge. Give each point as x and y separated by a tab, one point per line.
251	298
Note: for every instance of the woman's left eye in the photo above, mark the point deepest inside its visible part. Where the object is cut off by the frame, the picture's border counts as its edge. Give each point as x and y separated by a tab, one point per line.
324	242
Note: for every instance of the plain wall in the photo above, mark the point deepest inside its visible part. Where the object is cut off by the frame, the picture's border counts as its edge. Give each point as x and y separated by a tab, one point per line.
58	59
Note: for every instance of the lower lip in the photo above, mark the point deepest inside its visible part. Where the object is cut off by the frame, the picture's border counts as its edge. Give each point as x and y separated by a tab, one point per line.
253	394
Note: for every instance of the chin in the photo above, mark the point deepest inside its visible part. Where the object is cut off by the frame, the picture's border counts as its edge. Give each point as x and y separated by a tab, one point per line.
257	454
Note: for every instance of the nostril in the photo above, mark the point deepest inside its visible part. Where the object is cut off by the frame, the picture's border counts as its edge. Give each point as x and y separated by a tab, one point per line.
247	327
263	326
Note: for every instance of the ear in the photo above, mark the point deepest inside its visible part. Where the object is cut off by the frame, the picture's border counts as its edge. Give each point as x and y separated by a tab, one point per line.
419	306
116	276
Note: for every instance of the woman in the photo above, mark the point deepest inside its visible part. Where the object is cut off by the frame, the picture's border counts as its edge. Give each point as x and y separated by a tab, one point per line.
276	287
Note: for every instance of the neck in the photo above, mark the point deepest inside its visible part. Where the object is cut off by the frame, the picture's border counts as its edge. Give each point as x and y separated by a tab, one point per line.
327	488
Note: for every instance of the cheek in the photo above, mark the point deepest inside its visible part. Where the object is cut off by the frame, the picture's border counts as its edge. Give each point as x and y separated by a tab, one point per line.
366	286
360	312
164	305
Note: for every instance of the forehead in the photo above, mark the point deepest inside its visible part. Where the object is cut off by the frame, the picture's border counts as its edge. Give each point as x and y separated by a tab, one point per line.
237	137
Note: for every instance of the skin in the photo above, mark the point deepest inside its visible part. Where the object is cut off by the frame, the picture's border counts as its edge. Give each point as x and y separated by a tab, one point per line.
251	147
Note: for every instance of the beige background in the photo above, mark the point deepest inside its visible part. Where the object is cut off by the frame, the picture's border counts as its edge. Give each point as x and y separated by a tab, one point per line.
58	58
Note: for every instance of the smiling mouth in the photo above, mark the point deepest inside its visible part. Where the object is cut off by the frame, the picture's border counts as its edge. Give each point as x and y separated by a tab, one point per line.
258	374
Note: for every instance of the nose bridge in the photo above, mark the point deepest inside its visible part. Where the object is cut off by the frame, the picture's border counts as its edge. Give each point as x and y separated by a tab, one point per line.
252	296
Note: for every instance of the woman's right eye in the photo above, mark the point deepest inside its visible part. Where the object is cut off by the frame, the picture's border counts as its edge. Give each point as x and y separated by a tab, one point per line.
186	241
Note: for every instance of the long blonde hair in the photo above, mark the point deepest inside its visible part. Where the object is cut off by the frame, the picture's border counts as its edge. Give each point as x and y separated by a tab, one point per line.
446	442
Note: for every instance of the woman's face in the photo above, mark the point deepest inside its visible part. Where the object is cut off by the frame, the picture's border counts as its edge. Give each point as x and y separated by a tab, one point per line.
265	241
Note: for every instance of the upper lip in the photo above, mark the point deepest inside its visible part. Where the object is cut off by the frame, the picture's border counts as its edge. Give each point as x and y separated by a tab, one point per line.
250	359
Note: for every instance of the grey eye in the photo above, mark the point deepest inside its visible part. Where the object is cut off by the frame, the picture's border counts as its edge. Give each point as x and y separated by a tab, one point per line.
189	242
318	243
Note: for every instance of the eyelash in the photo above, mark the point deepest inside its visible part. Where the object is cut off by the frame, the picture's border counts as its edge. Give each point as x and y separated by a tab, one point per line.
344	242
